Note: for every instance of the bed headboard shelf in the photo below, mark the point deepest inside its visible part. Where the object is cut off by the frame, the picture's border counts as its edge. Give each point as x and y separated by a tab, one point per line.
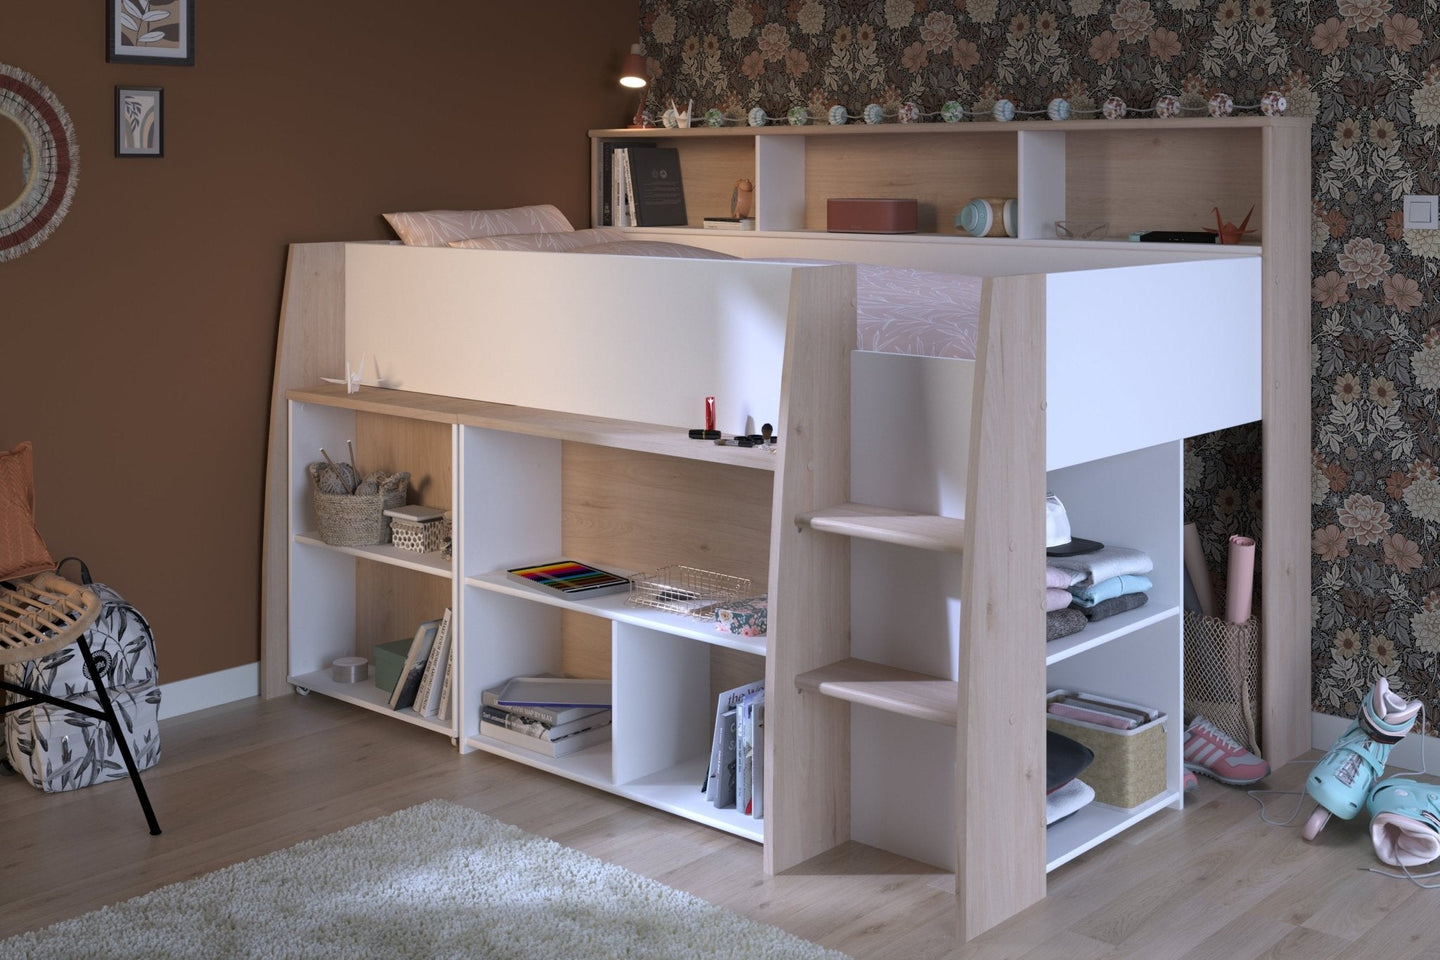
1080	169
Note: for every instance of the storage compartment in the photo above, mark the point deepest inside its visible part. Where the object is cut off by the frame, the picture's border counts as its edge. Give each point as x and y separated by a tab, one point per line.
1222	675
1129	766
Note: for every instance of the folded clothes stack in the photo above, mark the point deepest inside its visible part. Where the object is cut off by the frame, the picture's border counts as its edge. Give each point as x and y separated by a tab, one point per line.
1082	588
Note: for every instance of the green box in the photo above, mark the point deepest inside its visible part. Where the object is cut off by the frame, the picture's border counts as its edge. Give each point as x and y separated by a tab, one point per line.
389	661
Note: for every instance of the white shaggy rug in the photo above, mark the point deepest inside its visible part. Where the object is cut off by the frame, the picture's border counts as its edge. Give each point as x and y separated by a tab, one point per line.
437	880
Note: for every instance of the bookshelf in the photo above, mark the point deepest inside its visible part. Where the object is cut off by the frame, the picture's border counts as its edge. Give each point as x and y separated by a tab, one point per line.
502	468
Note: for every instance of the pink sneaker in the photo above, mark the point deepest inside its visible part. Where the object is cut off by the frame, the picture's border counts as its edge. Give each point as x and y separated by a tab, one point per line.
1210	751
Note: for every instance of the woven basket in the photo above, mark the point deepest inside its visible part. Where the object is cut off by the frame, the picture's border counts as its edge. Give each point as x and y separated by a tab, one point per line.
358	520
1129	765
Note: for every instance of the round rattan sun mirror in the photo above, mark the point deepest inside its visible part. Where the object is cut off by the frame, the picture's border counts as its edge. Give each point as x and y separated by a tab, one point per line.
39	165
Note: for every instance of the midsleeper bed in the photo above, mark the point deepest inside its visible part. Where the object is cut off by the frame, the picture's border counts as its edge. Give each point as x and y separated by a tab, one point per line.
897	527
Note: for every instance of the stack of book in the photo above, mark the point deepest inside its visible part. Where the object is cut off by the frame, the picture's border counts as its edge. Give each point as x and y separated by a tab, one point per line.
646	187
553	716
424	683
736	775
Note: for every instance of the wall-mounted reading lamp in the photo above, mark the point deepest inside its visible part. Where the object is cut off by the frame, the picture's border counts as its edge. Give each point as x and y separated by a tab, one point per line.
632	75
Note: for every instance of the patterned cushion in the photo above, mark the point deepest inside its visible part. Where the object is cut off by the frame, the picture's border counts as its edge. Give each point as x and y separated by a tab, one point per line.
436	228
22	551
558	242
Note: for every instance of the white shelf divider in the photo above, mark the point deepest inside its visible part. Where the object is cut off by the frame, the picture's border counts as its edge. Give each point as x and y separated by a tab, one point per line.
365	694
430	562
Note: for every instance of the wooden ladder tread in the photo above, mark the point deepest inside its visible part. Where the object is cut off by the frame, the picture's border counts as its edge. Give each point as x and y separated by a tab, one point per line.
892	689
903	527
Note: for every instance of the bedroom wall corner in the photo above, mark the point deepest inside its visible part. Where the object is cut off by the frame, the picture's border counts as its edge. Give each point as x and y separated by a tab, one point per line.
139	339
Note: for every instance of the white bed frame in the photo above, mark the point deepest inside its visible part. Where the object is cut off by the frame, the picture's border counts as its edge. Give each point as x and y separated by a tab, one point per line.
1139	348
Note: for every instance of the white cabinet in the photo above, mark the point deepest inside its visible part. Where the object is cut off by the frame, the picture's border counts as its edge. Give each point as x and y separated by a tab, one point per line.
902	672
1133	500
510	508
335	608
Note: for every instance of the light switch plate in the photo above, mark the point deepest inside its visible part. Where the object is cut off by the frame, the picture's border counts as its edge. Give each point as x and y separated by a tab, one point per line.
1421	212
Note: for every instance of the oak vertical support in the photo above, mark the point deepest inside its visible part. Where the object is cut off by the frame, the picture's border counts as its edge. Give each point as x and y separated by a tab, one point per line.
310	344
807	809
1000	725
1286	445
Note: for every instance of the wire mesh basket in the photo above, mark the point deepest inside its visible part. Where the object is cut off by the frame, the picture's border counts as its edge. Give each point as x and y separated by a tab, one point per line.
685	590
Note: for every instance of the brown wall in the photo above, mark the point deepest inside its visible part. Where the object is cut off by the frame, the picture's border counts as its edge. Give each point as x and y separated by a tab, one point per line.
136	343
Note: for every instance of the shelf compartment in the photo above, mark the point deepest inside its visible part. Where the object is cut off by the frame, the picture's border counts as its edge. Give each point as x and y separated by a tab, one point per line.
891	689
431	562
365	694
1105	631
615	608
864	522
529	421
674	790
1094	824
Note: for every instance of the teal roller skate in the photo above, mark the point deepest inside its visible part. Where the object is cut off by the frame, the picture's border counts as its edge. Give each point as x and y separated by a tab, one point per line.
1341	781
1405	821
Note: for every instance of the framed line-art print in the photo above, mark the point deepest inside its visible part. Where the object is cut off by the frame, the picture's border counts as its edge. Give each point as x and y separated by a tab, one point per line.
150	31
139	122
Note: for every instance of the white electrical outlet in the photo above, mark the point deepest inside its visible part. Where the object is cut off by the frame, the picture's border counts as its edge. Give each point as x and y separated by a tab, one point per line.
1421	212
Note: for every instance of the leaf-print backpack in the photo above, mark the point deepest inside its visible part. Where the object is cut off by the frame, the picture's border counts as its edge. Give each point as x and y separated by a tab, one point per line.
59	749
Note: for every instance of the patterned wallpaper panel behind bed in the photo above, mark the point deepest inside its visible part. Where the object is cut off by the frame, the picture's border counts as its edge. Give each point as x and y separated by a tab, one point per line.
1366	71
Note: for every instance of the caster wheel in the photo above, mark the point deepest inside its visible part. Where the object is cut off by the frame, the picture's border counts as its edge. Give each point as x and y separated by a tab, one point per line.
303	691
1315	824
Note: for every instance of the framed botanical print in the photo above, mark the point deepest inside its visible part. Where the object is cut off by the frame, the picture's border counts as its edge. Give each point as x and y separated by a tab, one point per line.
150	31
139	122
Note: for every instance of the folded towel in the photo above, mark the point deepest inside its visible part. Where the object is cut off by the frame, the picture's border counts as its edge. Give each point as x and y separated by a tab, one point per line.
1108	608
1067	799
1088	596
1057	598
1062	623
1103	564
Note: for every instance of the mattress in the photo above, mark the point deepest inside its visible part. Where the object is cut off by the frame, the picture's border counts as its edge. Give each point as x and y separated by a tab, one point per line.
917	312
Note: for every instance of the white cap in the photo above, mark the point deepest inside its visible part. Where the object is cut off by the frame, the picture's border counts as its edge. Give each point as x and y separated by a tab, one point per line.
1058	539
1057	524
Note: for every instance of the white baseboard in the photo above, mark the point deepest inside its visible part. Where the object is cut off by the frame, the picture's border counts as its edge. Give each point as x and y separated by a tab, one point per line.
1413	753
209	690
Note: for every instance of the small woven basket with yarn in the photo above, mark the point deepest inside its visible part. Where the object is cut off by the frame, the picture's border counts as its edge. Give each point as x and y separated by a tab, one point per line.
357	519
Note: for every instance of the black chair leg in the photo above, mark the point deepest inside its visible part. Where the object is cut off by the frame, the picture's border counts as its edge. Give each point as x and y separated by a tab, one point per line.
108	709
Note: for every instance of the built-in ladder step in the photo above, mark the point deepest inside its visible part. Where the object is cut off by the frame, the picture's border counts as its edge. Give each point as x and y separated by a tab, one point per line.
887	688
862	521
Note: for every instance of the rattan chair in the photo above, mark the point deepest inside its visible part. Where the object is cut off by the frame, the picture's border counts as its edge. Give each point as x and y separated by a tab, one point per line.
46	613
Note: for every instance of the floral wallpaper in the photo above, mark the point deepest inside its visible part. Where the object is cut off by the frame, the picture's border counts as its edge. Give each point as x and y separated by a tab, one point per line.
1366	71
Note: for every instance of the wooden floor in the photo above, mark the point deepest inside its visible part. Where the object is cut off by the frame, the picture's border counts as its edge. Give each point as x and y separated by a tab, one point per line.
241	780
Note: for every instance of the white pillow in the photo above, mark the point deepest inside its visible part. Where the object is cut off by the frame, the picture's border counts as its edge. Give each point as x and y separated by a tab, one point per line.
436	228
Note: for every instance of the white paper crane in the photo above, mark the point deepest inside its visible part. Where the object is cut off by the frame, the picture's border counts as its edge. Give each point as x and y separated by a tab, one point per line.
354	378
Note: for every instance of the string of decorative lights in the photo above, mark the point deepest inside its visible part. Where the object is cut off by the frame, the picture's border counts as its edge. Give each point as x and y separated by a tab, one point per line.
1004	110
